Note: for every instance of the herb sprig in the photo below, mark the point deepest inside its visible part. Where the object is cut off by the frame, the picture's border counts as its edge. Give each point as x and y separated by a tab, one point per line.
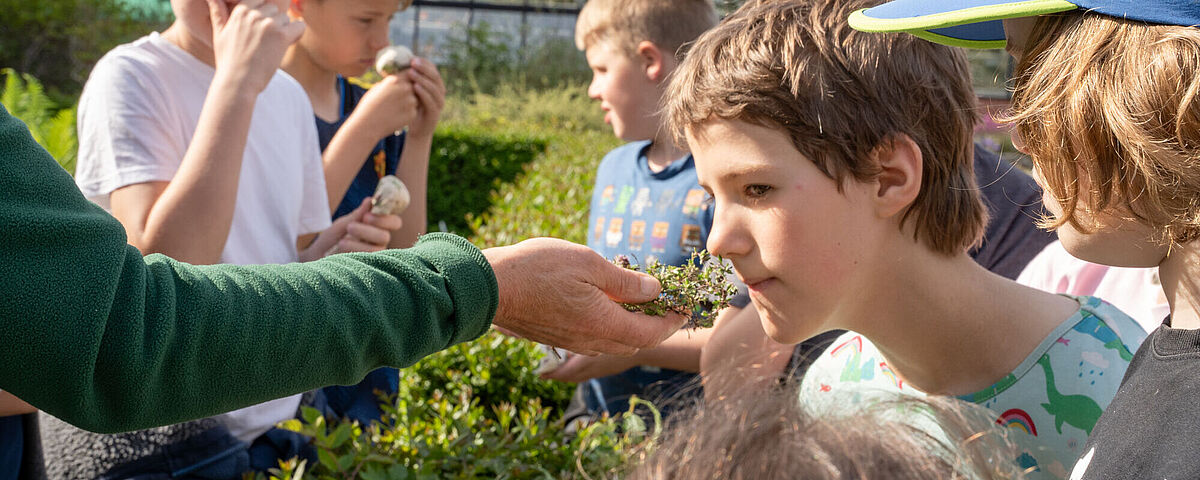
697	289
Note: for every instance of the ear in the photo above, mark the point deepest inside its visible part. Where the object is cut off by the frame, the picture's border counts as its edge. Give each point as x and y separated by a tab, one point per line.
899	180
296	9
655	61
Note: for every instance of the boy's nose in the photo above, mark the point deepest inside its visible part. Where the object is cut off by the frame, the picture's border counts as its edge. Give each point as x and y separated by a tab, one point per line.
726	237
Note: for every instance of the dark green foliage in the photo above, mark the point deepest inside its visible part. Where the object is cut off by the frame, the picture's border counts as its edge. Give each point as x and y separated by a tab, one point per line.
58	41
467	164
475	411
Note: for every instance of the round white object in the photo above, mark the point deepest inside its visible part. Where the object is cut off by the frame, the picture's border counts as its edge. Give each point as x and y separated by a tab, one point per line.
393	59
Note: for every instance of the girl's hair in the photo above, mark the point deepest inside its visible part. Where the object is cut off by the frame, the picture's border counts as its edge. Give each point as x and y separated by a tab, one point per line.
770	436
1108	109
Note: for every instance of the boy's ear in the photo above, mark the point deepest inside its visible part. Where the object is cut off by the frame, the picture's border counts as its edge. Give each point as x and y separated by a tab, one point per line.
900	170
654	60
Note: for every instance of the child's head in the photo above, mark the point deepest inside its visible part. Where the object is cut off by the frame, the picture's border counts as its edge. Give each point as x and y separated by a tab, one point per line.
771	436
1105	102
632	46
343	36
820	145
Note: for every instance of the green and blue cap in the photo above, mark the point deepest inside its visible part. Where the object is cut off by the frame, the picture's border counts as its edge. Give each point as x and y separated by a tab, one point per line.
976	23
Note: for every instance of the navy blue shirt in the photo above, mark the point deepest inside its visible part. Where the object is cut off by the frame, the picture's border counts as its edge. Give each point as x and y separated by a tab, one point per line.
359	401
648	216
367	178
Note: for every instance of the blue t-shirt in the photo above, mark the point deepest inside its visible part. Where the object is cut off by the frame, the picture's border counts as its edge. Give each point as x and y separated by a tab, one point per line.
359	401
386	152
648	216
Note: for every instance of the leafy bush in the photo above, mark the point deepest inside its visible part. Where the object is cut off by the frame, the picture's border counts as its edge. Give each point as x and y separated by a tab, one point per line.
25	98
59	41
474	411
467	164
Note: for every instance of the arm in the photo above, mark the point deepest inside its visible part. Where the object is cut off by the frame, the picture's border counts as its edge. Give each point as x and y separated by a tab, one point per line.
189	217
740	357
110	341
11	405
389	106
681	351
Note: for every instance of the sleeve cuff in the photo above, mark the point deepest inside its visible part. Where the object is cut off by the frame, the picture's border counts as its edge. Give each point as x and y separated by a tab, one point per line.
470	282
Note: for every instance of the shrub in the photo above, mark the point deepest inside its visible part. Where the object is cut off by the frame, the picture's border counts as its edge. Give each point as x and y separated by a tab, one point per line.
480	59
474	411
25	98
466	164
59	41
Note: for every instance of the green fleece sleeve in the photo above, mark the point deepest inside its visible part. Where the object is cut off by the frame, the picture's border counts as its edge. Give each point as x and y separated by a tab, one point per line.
97	335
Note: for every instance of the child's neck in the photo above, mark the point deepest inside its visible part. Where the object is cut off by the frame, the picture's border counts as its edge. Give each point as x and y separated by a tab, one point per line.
662	153
947	325
318	82
178	35
1180	277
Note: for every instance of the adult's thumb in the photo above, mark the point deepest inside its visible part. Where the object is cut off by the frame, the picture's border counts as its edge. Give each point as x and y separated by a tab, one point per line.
624	285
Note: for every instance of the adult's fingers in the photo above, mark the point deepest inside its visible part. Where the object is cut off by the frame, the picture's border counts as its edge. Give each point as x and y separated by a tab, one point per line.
638	330
621	284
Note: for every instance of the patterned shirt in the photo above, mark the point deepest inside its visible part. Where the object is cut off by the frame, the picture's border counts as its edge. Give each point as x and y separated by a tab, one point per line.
1053	398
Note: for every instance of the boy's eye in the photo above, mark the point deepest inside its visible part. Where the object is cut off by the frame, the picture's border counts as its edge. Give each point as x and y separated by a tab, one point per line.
757	191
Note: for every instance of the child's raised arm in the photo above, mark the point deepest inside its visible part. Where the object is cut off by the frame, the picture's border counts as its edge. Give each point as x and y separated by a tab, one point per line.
190	216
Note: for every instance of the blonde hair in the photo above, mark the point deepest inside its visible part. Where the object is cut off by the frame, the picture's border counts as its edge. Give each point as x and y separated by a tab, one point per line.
842	96
771	436
1113	103
669	24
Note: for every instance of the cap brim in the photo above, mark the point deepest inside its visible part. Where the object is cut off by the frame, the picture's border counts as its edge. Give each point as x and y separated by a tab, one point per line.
959	23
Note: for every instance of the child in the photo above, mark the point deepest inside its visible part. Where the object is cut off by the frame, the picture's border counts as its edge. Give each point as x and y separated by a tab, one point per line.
740	356
841	167
770	437
645	203
1105	105
340	39
204	151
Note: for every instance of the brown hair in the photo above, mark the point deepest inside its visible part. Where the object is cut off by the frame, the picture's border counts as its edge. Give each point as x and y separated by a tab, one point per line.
770	436
842	96
669	24
1112	104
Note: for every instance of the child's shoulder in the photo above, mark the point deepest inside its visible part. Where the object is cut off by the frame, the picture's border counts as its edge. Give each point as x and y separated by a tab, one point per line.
623	157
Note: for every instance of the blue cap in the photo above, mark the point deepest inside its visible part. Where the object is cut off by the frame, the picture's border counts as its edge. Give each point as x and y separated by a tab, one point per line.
976	23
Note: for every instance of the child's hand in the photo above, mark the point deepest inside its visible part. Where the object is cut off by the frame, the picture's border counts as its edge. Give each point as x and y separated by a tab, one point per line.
249	41
581	368
430	92
388	107
358	231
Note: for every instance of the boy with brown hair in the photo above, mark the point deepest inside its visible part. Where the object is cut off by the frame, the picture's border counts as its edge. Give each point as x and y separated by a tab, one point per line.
1105	103
646	203
842	171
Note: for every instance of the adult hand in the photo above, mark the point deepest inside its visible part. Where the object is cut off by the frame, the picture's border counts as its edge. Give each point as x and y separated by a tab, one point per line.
388	107
581	368
249	41
431	94
563	294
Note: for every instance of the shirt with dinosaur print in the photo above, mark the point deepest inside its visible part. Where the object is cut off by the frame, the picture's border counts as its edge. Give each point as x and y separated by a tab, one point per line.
1052	399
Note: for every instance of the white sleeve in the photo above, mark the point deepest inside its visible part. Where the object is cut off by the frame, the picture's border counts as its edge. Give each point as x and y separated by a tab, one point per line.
314	213
124	130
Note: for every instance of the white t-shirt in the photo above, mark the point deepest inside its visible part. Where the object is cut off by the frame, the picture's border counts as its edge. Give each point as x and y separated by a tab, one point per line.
1136	291
137	115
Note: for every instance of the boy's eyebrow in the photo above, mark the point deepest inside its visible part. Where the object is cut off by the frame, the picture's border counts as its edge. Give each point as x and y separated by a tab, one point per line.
734	173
